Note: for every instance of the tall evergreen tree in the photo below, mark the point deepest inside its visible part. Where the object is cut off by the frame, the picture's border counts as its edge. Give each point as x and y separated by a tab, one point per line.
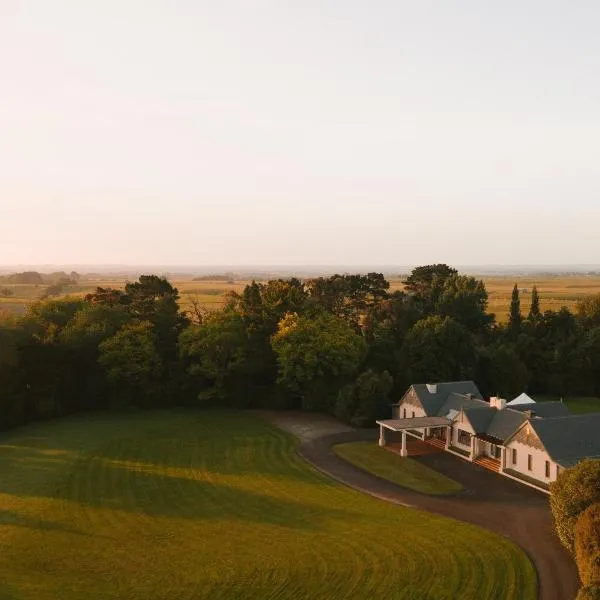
515	318
534	311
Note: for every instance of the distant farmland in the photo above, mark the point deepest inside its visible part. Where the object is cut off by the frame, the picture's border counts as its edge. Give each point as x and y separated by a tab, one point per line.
211	294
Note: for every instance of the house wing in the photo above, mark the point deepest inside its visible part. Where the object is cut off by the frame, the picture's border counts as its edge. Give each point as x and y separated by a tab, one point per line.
571	439
505	423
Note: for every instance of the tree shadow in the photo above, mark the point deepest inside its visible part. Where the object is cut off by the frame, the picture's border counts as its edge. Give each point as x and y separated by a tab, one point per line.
14	519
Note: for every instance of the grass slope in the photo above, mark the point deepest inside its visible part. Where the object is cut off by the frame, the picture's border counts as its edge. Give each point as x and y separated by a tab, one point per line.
403	471
164	505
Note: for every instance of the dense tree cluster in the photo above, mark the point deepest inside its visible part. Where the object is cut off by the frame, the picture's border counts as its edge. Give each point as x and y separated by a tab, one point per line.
342	344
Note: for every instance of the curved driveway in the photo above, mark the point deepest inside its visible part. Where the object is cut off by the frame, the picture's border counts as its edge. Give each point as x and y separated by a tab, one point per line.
488	500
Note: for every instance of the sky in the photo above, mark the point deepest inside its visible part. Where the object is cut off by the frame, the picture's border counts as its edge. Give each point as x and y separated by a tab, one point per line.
272	132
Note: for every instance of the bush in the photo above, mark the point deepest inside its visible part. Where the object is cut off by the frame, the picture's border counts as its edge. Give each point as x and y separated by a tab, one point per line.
587	545
589	592
573	491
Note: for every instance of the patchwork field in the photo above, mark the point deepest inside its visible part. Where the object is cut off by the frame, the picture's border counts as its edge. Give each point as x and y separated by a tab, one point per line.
163	505
554	291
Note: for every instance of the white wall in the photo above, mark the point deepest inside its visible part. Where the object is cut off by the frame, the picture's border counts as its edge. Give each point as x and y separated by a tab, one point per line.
410	408
463	424
539	458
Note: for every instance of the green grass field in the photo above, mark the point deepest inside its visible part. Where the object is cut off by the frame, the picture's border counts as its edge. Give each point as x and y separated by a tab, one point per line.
406	472
192	505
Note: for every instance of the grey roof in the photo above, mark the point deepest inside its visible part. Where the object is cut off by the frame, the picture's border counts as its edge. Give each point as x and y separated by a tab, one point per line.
458	401
569	439
414	423
432	403
480	417
505	423
544	409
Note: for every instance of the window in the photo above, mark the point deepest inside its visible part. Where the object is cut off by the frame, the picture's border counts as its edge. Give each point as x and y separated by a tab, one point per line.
463	437
514	456
547	468
529	462
557	470
413	414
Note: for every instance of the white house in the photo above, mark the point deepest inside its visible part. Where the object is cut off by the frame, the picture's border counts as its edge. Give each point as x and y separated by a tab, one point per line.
521	439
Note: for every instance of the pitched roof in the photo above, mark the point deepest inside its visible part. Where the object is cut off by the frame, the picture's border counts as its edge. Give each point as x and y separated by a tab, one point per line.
505	423
433	402
480	417
521	399
544	409
458	401
569	439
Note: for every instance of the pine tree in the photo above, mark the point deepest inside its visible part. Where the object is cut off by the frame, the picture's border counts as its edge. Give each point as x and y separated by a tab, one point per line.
534	311
515	319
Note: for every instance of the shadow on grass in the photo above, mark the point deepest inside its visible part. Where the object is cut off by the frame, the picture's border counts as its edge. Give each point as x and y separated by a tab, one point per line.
16	520
99	481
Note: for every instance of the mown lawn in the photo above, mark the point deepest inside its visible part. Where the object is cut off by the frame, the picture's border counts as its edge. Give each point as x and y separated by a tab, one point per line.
192	505
403	471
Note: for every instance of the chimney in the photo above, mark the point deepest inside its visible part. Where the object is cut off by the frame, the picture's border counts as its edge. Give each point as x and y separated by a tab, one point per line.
498	403
431	388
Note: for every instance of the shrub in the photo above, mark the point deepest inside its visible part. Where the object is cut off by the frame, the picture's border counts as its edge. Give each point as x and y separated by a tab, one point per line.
573	491
589	592
587	545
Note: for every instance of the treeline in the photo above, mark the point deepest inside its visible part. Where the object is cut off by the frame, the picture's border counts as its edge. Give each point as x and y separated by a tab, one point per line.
342	344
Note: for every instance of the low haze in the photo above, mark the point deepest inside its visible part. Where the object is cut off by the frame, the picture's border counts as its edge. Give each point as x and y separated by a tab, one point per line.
311	132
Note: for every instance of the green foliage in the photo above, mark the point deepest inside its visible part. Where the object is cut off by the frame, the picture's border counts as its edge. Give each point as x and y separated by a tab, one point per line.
534	310
363	401
315	355
587	545
216	351
574	490
131	361
465	300
438	349
501	371
515	319
348	296
425	283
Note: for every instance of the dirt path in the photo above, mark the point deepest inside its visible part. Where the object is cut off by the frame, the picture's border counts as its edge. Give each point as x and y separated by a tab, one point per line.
489	500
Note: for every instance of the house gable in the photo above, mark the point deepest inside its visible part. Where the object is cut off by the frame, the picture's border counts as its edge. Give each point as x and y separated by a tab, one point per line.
527	436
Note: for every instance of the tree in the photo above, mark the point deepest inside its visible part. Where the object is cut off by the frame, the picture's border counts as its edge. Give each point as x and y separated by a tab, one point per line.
534	311
501	371
515	318
438	349
425	283
588	311
132	363
315	356
348	296
573	491
465	300
361	402
216	352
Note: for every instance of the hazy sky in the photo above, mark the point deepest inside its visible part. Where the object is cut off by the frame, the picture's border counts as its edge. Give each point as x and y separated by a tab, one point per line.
305	132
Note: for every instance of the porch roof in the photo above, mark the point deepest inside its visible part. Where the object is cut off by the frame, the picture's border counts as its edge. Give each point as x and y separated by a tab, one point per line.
414	423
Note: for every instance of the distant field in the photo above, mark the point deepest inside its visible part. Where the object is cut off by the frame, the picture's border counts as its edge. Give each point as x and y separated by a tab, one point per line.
217	505
554	292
